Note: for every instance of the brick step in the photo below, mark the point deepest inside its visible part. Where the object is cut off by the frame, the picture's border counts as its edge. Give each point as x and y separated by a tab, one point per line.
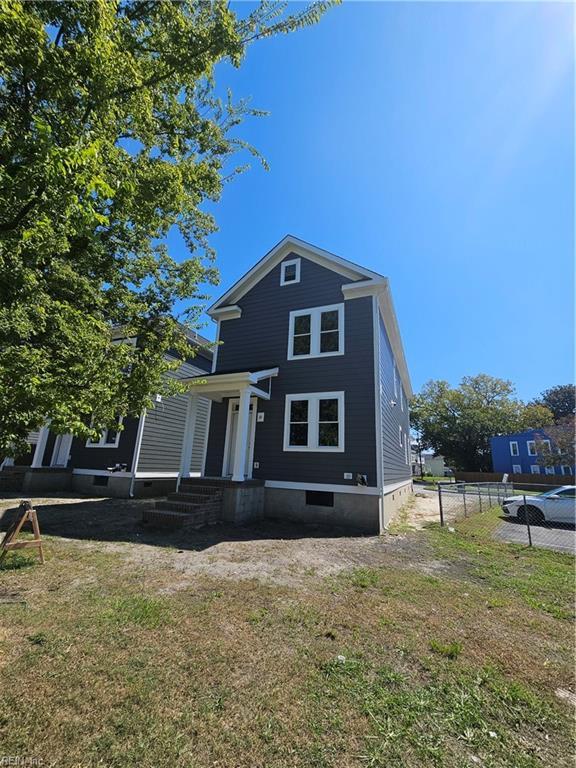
195	498
202	490
166	518
189	507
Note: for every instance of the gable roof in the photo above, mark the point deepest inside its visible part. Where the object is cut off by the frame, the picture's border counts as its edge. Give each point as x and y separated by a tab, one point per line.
364	282
287	245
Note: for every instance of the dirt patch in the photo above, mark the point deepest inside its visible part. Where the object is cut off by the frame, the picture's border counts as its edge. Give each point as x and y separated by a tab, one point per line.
269	551
424	509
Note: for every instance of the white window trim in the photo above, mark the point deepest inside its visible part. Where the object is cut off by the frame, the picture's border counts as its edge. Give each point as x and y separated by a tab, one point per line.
548	445
315	315
395	380
400	434
290	263
548	470
531	447
535	469
514	442
313	422
566	467
516	469
101	443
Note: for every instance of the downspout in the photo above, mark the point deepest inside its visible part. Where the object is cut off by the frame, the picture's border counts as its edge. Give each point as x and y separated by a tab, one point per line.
136	458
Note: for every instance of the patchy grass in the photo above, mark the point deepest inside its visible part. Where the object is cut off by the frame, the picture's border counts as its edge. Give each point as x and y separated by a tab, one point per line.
372	667
448	650
541	578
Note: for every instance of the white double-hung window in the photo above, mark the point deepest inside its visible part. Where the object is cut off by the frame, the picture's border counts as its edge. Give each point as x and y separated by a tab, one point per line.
314	422
109	438
514	448
316	332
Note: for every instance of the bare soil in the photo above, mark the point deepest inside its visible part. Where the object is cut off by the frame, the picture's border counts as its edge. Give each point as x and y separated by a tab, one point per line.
270	551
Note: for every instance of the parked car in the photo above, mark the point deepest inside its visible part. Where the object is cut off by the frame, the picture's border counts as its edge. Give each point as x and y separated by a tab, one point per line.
557	505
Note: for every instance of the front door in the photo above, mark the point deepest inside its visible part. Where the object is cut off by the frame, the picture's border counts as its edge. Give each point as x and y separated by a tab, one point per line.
61	451
231	431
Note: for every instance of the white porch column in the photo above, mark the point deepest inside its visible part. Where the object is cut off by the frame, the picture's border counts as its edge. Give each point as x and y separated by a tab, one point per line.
242	427
40	447
188	440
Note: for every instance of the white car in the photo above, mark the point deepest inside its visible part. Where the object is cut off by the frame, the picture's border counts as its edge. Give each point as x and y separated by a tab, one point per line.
557	505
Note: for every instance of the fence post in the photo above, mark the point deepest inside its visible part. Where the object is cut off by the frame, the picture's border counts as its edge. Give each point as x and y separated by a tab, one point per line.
480	496
527	519
464	499
489	497
440	504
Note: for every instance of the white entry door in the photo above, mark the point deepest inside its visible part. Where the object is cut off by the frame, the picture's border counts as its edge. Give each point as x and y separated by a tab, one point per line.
231	431
61	451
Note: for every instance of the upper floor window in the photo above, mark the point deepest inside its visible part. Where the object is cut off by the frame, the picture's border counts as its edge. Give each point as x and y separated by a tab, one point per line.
514	448
531	445
317	332
314	422
109	438
566	470
290	272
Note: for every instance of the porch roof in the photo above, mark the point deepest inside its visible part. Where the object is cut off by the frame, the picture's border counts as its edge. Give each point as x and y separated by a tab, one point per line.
216	386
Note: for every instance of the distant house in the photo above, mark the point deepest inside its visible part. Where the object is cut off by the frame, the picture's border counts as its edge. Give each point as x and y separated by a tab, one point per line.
427	463
518	454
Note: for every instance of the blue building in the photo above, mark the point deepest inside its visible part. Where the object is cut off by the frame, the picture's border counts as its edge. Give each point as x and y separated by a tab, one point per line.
518	454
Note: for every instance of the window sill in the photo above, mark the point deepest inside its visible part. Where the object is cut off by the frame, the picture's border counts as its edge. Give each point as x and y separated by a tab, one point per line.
315	357
306	449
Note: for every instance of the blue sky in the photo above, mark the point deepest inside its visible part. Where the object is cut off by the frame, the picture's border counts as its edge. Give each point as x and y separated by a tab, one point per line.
433	143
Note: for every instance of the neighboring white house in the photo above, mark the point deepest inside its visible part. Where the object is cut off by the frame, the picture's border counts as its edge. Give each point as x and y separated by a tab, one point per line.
431	465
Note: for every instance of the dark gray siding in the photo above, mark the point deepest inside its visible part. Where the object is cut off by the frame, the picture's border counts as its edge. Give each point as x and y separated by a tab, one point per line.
259	339
100	458
163	433
395	467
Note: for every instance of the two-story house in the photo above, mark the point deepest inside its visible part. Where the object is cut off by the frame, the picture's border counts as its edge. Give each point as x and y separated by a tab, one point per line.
309	392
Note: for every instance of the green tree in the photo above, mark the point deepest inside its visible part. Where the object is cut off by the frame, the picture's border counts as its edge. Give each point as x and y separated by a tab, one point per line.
561	400
458	423
556	445
111	133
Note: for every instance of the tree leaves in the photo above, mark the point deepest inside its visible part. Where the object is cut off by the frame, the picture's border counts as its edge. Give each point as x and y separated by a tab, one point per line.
111	133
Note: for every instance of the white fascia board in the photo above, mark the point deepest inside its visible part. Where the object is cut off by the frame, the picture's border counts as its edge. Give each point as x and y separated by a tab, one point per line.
227	312
391	324
364	288
101	473
291	244
267	374
363	490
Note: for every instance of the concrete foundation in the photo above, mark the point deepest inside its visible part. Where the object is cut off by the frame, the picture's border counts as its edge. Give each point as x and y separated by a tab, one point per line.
153	487
46	480
102	485
394	501
356	511
243	502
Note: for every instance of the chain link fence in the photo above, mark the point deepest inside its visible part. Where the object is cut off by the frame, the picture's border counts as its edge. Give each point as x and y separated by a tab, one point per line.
529	514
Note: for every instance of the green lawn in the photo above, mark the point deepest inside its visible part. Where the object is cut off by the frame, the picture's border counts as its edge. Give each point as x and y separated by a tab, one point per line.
455	664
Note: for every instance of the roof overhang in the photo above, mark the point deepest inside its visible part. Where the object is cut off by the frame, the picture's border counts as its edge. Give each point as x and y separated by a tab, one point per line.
381	289
216	386
286	246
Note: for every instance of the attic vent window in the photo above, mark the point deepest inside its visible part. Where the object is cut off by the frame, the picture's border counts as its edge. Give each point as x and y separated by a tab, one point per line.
290	272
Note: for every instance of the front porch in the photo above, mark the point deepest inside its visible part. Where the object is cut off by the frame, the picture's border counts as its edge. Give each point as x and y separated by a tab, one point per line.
242	389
